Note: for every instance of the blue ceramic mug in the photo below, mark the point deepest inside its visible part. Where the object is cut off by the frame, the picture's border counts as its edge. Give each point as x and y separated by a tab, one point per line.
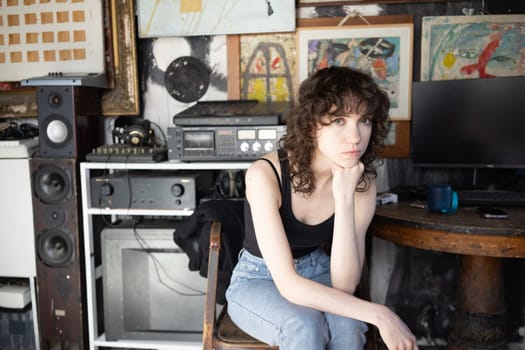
442	199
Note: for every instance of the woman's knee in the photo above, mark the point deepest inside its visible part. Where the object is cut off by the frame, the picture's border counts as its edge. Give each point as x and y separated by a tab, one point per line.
346	333
308	327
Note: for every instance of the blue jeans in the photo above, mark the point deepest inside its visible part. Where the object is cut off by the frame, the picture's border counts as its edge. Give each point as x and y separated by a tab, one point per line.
256	306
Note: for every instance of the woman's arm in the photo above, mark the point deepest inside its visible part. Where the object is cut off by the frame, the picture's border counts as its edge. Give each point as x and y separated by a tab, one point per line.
353	214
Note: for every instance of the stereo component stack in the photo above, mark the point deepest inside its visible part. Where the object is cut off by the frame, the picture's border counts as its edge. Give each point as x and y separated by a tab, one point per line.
226	131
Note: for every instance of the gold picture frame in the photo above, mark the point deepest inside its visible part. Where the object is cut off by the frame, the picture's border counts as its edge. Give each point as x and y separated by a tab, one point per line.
122	98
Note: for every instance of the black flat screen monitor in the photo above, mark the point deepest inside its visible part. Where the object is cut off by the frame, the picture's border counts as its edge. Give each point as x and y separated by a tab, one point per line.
470	123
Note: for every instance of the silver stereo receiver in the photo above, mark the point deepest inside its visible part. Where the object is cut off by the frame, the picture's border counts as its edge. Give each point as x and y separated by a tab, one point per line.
222	143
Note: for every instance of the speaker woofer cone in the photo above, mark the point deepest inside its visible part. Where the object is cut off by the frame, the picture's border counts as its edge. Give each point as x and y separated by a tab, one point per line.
55	248
52	184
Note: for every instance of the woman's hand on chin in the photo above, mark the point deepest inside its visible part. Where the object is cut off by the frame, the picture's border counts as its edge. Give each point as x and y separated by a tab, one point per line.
345	180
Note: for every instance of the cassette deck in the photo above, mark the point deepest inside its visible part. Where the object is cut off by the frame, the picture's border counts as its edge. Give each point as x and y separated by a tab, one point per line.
222	143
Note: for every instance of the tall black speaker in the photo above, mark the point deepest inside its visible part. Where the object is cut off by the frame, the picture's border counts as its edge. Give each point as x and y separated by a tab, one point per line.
67	122
59	258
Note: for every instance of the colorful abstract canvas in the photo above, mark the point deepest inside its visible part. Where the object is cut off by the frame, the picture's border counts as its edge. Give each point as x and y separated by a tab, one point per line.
383	51
467	47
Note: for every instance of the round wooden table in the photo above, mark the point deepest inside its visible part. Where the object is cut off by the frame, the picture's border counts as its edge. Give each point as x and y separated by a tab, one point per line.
482	243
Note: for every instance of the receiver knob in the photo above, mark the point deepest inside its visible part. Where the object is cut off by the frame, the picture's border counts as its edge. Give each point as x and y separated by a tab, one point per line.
106	189
245	146
177	190
256	147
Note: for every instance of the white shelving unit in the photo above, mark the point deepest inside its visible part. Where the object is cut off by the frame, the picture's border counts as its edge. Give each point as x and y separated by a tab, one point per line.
97	337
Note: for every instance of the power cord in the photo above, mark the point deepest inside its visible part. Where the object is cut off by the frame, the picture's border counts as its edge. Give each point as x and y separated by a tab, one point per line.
160	268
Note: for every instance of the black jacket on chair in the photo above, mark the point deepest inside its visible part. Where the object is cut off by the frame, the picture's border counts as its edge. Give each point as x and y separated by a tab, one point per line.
193	236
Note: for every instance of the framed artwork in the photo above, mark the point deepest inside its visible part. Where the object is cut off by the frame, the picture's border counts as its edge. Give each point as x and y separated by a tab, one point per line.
267	67
466	47
179	71
199	17
382	50
40	37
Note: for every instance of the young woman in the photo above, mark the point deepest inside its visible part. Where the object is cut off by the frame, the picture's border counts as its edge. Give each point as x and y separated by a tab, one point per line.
316	193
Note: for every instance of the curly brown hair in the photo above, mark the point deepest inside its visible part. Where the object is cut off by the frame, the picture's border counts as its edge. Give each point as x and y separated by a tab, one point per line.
333	91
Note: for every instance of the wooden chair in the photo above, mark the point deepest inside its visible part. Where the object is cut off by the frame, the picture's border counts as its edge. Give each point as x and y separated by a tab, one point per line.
220	333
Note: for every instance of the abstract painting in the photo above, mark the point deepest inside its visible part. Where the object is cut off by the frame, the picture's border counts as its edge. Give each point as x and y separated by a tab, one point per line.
466	47
383	51
267	67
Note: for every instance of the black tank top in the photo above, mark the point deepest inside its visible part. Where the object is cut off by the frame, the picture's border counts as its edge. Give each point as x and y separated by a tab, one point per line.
303	238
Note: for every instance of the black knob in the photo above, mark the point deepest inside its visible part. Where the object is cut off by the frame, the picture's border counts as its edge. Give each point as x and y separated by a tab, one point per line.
177	190
106	189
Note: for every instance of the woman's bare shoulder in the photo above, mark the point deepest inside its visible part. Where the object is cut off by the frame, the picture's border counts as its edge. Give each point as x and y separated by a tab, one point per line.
261	180
261	168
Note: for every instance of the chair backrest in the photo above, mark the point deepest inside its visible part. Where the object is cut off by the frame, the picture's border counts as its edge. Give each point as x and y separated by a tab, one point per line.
209	327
